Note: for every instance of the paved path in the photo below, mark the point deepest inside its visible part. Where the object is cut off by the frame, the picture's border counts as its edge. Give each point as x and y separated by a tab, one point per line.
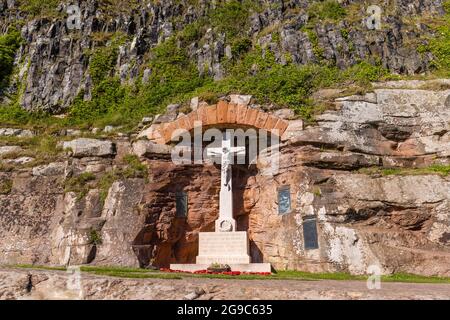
35	284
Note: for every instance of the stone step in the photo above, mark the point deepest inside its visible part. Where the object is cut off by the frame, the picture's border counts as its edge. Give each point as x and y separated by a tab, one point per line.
242	267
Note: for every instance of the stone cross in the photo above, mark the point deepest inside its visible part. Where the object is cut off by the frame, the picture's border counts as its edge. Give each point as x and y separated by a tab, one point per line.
226	222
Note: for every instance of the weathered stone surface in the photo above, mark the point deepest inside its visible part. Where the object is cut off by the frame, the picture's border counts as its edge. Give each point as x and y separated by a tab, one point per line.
90	148
240	99
285	114
14	132
54	68
400	223
52	169
19	161
40	285
9	150
143	148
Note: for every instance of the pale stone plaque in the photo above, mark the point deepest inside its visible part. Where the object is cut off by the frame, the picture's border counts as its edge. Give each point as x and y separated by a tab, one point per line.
223	247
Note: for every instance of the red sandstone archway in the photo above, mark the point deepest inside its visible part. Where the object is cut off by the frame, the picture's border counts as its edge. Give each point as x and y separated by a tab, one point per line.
222	114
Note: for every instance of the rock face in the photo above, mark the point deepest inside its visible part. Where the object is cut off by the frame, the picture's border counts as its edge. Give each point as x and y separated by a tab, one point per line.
90	148
54	66
399	222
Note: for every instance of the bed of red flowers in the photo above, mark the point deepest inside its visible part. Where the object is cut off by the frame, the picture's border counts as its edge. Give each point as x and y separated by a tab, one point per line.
228	273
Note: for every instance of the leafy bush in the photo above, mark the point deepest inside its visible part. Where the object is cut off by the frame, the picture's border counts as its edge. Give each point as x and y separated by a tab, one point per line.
94	237
134	169
102	63
329	9
39	7
192	32
240	46
6	186
79	184
440	45
230	18
9	44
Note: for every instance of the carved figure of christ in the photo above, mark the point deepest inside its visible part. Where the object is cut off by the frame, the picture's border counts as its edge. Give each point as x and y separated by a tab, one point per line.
226	222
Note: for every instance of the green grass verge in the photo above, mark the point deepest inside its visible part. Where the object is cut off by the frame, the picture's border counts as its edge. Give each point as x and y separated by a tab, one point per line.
136	273
443	170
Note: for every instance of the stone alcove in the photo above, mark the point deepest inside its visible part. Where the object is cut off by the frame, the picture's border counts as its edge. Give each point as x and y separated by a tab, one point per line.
167	238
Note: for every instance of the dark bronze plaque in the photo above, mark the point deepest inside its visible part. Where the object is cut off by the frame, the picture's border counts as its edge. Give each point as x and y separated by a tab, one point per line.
310	234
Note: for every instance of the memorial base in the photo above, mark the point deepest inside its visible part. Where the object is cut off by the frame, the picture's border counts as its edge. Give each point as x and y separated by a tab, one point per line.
244	267
230	248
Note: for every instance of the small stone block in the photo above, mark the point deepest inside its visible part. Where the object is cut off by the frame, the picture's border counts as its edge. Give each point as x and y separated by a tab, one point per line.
261	120
232	109
281	126
250	117
270	123
167	130
183	123
222	112
192	117
211	115
202	115
241	111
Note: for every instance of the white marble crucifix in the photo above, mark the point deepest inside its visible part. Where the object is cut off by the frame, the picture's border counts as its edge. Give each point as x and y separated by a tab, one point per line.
226	222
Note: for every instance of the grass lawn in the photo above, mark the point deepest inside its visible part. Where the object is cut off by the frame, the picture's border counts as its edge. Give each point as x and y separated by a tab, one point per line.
136	273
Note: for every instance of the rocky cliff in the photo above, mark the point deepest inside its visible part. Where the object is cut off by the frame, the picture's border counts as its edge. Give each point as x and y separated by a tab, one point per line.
373	173
83	180
55	63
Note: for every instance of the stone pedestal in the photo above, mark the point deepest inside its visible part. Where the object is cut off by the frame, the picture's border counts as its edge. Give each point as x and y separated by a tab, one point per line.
231	248
223	248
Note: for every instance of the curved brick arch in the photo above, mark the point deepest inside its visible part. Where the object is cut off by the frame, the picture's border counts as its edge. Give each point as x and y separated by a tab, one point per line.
223	113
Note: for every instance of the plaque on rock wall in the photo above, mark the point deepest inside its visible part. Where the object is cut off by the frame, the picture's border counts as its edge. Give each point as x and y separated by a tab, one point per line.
310	234
182	204
284	200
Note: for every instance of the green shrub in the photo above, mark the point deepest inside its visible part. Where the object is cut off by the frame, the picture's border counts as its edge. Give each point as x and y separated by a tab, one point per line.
440	45
364	72
240	46
79	184
9	44
39	7
134	169
95	237
192	32
329	9
102	62
230	18
107	97
14	114
6	186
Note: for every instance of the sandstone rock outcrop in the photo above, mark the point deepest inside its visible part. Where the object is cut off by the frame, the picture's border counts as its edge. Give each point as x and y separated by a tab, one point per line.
90	148
334	169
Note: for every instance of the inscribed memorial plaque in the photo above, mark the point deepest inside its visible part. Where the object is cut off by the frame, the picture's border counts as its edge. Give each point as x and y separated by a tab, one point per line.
310	234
